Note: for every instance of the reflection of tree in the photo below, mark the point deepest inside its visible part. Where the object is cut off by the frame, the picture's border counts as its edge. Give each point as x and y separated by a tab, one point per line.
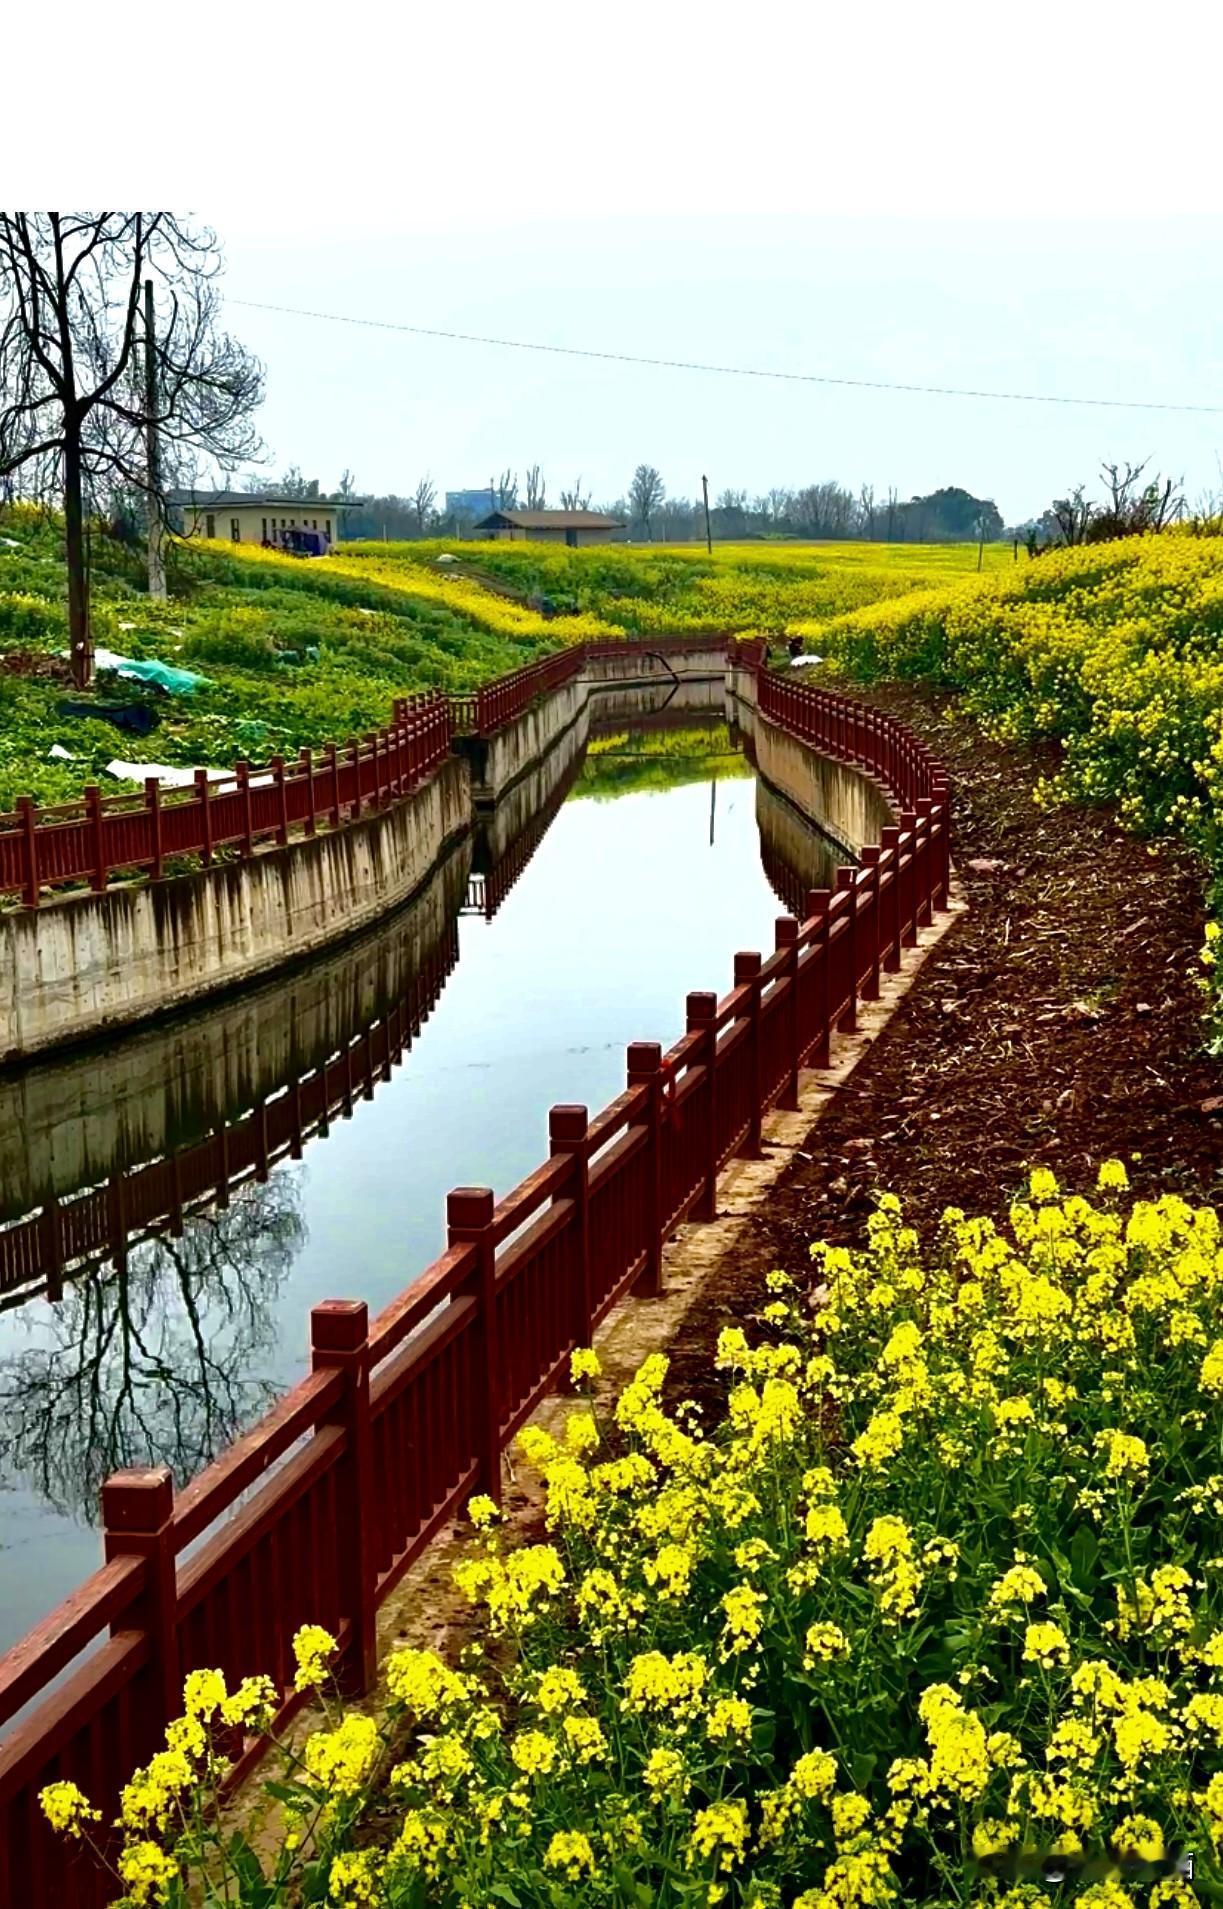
155	1360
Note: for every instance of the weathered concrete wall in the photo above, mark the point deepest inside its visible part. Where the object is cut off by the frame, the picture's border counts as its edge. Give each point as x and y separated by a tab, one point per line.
68	1121
498	762
659	663
86	963
500	827
848	805
697	697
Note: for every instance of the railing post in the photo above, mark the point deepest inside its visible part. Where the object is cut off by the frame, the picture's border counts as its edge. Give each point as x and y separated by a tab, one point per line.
847	880
306	759
93	808
645	1069
282	800
332	758
242	771
29	831
747	974
152	802
702	1018
870	861
924	860
469	1216
786	936
567	1125
889	845
818	902
908	925
355	747
138	1522
201	796
943	795
339	1340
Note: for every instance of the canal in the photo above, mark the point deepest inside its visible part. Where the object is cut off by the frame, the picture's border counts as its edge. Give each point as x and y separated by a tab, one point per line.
173	1203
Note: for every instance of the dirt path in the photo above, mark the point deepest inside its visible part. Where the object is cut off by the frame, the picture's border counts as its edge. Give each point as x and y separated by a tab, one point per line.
1060	1023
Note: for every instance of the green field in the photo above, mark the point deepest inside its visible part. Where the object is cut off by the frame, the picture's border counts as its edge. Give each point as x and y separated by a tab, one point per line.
303	653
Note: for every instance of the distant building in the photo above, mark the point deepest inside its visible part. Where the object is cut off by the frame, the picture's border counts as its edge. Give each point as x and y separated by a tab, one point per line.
307	525
471	503
571	527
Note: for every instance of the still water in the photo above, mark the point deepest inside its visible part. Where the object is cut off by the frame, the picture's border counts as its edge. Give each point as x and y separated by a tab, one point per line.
625	888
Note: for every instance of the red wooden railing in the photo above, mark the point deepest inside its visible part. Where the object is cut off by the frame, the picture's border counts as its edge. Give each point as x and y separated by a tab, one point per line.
100	836
365	1459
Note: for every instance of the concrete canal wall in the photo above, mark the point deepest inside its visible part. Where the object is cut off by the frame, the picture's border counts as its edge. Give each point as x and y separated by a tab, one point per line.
847	805
618	687
83	964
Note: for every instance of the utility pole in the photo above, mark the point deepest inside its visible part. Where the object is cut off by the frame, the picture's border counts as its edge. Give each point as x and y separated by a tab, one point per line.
708	531
157	561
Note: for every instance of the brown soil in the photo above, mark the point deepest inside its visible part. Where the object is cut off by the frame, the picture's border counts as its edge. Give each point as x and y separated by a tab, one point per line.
33	663
1060	1023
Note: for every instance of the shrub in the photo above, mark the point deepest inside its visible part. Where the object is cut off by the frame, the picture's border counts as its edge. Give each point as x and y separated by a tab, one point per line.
936	1603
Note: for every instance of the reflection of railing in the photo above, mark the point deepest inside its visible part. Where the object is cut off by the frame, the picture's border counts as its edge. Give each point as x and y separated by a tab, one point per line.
399	1421
104	1221
100	835
486	890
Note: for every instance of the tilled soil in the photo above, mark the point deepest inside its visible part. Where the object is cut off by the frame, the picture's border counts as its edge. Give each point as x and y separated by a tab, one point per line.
1059	1023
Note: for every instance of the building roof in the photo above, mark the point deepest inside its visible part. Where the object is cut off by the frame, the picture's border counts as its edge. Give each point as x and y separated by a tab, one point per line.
551	520
231	500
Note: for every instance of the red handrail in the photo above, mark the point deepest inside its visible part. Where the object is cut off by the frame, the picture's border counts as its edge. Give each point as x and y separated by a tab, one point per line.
100	836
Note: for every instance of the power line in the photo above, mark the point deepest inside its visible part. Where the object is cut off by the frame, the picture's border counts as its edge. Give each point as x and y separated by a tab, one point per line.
726	371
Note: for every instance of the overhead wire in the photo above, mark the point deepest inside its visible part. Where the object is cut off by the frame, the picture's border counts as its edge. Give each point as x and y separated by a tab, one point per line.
728	371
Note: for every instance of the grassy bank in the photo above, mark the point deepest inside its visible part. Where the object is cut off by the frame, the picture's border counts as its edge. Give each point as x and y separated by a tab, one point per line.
295	654
302	653
1113	651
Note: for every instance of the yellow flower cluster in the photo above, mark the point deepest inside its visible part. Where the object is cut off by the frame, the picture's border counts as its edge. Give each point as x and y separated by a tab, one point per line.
752	1669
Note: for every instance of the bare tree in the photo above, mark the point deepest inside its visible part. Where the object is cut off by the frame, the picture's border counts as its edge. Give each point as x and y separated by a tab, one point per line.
1129	510
72	397
347	486
537	490
505	491
1073	515
576	499
645	494
866	511
424	497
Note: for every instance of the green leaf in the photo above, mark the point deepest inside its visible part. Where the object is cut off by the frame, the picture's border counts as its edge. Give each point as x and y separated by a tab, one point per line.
862	1768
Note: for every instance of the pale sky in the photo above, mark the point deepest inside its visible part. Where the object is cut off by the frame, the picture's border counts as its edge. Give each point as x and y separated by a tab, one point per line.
945	194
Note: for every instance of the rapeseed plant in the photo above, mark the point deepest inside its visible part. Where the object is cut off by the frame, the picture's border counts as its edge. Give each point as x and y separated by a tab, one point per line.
749	1668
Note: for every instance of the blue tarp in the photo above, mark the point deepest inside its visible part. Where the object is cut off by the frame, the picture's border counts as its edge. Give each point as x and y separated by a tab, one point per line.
175	682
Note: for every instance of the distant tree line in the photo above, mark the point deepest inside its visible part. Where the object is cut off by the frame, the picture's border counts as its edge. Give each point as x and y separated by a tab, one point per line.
826	510
1131	502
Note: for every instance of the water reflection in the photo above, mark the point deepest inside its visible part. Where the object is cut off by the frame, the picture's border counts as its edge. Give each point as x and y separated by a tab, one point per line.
159	1356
